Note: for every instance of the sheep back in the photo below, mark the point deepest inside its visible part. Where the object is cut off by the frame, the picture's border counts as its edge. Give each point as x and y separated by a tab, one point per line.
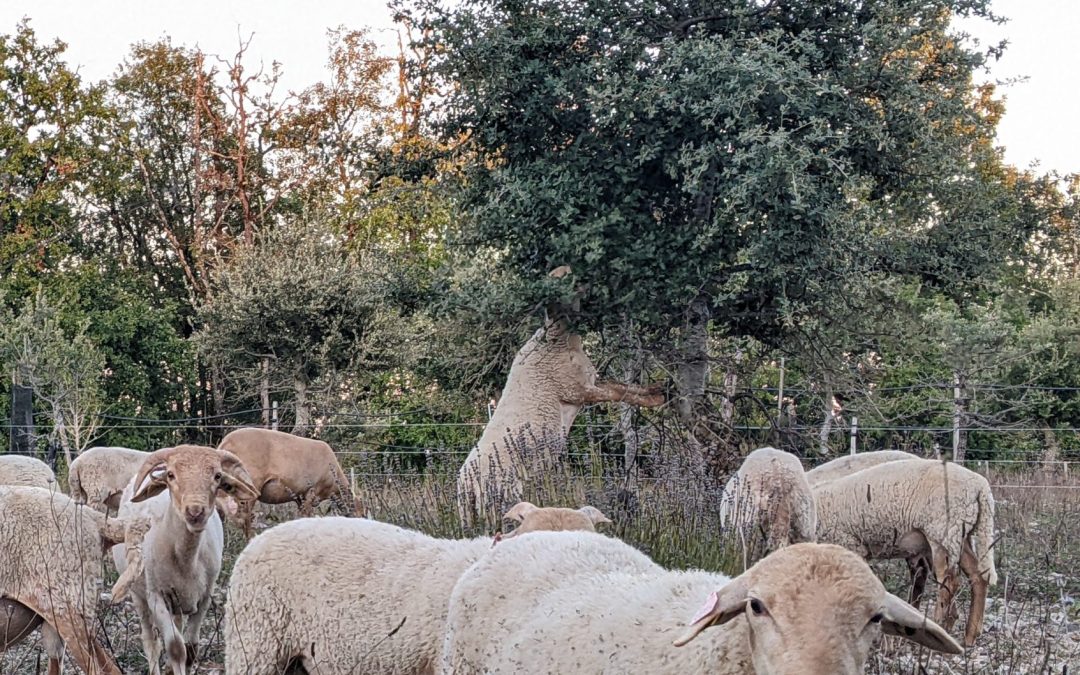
24	471
97	477
351	595
849	464
770	492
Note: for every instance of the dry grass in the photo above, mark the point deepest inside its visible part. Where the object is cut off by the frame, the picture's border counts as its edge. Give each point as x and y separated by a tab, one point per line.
1032	622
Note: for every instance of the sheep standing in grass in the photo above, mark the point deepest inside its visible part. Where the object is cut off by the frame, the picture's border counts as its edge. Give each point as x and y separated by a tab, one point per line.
20	470
911	508
770	497
550	379
175	489
849	464
288	468
97	477
50	571
340	595
571	602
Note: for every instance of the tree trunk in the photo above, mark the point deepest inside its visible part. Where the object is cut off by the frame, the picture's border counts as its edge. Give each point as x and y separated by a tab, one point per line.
632	367
21	436
264	392
827	422
731	381
301	405
959	416
693	371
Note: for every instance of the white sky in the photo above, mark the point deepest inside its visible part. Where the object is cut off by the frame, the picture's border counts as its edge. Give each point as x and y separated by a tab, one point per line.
1039	123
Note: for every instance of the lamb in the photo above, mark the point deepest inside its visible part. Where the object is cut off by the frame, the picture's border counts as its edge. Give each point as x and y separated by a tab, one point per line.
584	603
918	508
340	595
849	464
21	470
175	490
552	519
770	494
97	477
550	379
288	468
50	571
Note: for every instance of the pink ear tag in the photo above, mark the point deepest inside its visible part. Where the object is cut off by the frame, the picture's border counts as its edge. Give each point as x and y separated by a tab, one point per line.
706	609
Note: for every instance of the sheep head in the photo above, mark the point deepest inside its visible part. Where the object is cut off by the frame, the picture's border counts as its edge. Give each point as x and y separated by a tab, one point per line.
814	609
534	518
195	476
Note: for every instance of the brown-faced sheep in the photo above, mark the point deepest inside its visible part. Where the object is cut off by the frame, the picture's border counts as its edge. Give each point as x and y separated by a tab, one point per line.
287	468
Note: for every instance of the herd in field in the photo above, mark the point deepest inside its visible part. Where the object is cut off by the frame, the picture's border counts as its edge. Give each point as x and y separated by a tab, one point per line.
336	595
340	595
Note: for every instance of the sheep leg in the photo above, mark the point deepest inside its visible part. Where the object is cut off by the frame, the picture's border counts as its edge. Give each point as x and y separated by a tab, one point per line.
946	613
307	504
191	631
979	585
919	570
606	390
54	647
151	646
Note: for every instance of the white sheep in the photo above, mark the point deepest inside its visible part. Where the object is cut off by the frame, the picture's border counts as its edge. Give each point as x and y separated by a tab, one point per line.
918	508
180	557
16	620
287	468
339	595
571	602
550	379
849	464
97	477
22	470
769	495
50	571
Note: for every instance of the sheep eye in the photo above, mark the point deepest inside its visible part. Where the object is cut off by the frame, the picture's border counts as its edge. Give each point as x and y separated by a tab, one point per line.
227	487
217	476
877	618
757	607
170	475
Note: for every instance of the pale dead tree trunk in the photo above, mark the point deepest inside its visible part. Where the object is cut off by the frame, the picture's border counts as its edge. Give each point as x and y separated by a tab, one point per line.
959	416
302	405
217	389
827	422
264	392
693	372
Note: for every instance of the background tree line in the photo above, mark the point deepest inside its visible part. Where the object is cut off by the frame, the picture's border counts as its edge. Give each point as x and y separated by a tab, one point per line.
735	185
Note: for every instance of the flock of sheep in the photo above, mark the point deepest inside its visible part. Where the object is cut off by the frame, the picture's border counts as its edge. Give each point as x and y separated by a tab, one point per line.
353	595
338	595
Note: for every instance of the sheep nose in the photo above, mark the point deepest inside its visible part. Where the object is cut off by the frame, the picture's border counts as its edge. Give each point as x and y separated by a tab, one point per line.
194	513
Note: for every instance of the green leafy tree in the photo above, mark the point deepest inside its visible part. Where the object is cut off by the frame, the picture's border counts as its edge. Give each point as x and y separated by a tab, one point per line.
733	167
297	313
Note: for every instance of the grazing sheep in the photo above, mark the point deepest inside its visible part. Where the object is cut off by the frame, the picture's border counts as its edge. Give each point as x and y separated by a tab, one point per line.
769	494
571	602
21	470
97	477
849	464
550	379
288	468
50	570
340	595
180	556
918	508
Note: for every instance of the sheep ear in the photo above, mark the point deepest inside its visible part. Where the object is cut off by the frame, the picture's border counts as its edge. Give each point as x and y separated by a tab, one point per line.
722	606
150	482
235	476
905	621
594	514
519	511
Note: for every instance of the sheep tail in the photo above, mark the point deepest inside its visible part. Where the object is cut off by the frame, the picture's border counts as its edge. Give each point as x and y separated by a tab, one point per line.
984	536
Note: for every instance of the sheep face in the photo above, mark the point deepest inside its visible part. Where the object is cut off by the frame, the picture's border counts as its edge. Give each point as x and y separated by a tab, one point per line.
534	518
195	476
814	609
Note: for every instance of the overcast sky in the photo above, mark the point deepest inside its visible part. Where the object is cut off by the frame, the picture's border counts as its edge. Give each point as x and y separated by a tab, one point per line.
1039	123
